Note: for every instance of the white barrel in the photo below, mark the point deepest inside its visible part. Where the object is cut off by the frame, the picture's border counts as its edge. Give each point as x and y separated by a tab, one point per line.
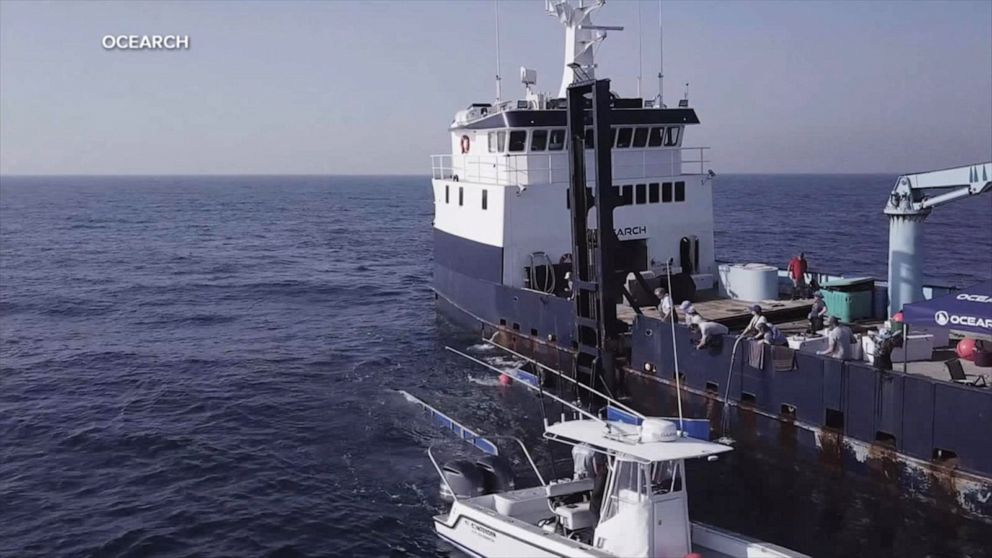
753	281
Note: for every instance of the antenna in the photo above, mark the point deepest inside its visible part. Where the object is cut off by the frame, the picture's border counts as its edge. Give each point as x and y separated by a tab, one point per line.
661	60
498	90
581	38
640	52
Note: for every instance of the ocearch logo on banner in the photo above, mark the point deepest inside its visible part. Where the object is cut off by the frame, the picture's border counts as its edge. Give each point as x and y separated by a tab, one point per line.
975	298
943	318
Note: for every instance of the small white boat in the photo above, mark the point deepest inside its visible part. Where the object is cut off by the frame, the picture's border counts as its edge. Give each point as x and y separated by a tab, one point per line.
643	510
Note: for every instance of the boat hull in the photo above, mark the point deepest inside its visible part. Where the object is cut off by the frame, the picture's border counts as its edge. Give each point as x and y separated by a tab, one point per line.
478	533
782	411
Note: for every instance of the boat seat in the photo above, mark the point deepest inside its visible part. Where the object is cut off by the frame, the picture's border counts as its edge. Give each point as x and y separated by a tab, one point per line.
569	486
528	504
957	374
576	516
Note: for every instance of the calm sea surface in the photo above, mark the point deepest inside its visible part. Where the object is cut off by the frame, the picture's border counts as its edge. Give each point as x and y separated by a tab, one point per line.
208	367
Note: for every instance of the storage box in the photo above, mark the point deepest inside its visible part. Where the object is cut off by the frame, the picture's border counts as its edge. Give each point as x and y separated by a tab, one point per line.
849	299
807	344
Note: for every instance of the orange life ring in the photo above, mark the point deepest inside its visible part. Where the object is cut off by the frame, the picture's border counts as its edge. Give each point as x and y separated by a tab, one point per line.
465	144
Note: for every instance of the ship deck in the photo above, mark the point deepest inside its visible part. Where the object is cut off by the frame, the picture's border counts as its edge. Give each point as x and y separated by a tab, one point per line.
936	369
790	317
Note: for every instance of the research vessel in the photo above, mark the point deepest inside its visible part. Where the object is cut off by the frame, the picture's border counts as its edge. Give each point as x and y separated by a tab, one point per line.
556	216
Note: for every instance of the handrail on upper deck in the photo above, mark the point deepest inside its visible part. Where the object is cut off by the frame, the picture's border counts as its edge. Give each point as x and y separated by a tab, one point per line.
520	169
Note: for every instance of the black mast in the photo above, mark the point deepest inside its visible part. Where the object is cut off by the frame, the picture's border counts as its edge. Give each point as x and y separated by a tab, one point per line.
596	282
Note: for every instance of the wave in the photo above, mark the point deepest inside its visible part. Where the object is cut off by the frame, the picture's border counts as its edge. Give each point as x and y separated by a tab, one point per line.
488	381
193	320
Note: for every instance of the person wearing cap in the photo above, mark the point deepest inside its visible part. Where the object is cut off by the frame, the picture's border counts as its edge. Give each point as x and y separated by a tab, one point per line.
839	340
688	309
770	334
665	309
709	331
757	318
889	337
817	313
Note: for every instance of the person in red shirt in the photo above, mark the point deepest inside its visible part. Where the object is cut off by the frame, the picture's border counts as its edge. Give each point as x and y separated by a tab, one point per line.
797	272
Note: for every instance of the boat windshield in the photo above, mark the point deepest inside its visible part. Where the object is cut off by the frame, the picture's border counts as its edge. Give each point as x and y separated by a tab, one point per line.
666	476
624	488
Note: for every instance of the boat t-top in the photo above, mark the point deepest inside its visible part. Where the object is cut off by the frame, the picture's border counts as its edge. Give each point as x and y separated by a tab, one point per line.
627	496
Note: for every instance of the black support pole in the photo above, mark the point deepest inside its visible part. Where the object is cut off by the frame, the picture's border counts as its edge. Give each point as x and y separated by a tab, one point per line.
596	281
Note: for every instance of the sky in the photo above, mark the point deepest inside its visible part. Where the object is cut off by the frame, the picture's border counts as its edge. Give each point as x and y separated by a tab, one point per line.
339	87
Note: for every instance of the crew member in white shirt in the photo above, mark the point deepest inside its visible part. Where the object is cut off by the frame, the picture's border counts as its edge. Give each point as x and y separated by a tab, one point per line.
757	318
839	340
665	309
709	331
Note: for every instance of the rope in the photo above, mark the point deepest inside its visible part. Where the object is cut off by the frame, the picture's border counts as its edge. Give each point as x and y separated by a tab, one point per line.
544	417
725	418
675	353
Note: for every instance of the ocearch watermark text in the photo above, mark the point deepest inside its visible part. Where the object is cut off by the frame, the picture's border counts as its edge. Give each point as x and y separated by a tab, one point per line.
146	42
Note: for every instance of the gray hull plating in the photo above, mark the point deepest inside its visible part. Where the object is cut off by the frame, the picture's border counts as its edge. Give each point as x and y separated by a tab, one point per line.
929	437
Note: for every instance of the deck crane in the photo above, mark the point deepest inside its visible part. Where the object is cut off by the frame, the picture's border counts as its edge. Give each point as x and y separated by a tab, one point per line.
910	202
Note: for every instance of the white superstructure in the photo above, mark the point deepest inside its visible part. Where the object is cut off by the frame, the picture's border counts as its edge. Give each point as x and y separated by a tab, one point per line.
505	183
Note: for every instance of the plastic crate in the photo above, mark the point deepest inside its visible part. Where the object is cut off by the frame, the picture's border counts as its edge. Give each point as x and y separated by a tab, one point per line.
849	299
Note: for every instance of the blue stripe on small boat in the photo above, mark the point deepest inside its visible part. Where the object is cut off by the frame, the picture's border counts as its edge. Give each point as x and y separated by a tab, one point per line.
694	428
526	377
619	415
446	422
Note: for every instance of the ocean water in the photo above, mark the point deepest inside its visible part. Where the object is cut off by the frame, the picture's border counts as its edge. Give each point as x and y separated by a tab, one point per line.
209	366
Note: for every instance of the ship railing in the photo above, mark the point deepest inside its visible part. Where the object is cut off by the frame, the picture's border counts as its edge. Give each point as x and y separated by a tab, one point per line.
441	167
522	169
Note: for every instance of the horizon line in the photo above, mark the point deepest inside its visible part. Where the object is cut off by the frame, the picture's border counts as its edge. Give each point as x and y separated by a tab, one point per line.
404	175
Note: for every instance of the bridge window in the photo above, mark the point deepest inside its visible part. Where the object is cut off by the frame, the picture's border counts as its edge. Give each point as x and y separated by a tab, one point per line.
461	195
679	191
556	141
539	140
485	199
627	194
497	141
518	140
653	192
624	137
590	138
656	136
666	192
672	137
641	194
447	194
640	137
